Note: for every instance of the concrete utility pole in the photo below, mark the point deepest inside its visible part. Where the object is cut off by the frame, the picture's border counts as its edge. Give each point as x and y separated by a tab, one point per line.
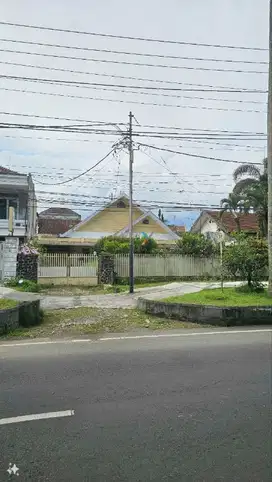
131	240
269	152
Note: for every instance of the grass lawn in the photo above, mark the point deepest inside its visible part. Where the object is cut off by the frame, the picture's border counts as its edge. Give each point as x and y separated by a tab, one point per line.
68	290
93	321
5	304
229	297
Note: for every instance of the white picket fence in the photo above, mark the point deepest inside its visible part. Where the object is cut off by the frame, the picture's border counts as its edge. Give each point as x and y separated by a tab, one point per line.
171	266
62	265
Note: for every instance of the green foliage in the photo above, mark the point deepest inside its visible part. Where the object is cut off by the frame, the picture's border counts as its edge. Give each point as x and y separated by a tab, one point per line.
252	188
34	243
247	258
196	245
6	304
23	285
120	245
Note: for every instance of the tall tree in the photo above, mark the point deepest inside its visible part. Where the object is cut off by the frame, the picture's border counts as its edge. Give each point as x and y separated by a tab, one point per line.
252	187
235	205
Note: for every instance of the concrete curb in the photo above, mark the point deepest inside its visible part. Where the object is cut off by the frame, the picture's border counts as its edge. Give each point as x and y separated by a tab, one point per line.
207	314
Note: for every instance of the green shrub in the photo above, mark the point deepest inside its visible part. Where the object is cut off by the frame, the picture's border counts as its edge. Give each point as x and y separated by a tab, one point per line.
120	245
11	282
247	259
23	285
196	245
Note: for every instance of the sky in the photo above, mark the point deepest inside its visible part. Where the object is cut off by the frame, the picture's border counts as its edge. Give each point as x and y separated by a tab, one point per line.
195	117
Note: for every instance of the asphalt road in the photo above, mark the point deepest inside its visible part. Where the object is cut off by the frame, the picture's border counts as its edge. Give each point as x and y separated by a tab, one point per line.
185	408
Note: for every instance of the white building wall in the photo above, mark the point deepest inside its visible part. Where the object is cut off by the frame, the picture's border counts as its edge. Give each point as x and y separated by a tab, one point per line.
209	226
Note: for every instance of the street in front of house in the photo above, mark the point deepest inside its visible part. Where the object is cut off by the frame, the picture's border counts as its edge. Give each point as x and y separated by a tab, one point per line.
175	406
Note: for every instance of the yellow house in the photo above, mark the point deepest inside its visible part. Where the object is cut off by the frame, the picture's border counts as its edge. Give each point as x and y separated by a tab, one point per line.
113	220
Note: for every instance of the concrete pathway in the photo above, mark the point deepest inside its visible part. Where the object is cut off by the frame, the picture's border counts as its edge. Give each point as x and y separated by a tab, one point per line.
123	300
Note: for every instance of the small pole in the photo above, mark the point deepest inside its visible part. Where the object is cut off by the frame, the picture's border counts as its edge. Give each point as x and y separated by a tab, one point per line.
269	154
221	236
131	241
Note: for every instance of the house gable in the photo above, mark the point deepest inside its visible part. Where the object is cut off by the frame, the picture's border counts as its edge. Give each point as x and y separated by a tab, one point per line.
150	224
114	220
106	221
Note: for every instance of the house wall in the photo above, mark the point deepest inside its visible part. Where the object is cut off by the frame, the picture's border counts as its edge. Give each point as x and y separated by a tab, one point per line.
31	209
209	226
152	227
21	188
110	220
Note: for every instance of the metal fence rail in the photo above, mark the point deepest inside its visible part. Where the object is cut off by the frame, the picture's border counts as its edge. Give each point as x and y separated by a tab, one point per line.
167	267
61	265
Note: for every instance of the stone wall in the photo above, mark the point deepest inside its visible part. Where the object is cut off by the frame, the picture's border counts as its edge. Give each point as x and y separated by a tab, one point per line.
9	320
106	273
27	267
208	315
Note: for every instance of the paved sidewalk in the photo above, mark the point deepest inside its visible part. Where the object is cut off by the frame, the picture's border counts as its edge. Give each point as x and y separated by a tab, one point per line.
122	300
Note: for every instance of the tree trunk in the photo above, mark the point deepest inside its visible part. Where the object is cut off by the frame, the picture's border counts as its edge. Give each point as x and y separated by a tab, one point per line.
237	221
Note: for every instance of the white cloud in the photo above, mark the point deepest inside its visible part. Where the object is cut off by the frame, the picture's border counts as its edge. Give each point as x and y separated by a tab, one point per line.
232	22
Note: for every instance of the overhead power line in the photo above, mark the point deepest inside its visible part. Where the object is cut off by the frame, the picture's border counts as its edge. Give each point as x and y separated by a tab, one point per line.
121	87
79	175
208	87
129	37
195	155
140	54
122	101
138	64
74	129
155	126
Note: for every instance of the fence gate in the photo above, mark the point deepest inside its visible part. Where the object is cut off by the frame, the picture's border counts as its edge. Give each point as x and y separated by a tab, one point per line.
61	265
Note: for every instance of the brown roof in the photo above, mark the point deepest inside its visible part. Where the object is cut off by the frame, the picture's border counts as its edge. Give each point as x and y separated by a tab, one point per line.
56	226
5	170
59	212
177	229
248	222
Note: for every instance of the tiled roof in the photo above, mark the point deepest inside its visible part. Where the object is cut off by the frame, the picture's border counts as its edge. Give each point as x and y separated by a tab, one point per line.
177	229
248	222
56	226
5	170
59	211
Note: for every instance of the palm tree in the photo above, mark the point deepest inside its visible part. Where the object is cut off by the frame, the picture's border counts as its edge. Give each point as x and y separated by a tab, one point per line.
233	204
252	186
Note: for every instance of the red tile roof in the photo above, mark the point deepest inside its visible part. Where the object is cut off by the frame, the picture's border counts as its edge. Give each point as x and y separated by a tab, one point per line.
59	211
57	220
5	170
56	226
248	222
177	229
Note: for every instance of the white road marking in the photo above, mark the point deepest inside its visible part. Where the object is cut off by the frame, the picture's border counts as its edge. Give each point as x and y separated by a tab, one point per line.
36	416
135	337
50	342
173	335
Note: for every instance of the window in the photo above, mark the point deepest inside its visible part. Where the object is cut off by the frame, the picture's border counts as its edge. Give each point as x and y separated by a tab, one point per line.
5	204
3	209
146	221
121	204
